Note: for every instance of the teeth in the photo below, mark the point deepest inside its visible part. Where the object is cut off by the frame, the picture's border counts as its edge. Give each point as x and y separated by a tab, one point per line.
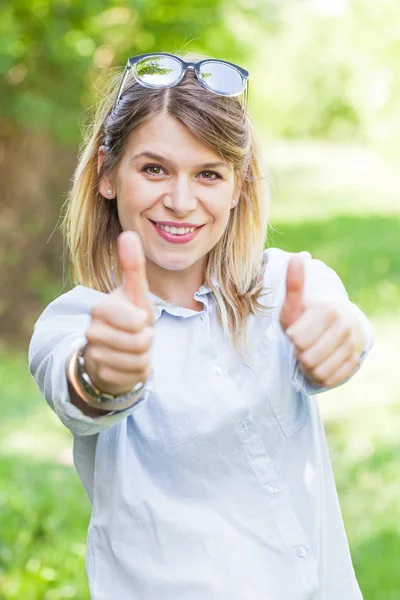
176	230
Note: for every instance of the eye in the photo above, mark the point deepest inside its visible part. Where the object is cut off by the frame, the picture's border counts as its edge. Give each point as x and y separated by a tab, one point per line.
153	170
211	175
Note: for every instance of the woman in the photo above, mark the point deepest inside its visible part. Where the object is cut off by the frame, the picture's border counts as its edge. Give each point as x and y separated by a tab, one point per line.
185	361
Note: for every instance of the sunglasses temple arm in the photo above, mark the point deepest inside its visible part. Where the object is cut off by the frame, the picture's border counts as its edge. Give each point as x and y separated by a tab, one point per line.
121	85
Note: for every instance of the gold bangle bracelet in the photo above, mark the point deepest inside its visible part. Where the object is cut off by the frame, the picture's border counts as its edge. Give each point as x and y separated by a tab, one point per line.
74	381
117	404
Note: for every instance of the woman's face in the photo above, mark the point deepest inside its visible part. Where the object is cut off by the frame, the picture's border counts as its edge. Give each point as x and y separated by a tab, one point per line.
166	175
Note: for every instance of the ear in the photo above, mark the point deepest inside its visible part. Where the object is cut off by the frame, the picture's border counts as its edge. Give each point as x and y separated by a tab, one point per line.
105	182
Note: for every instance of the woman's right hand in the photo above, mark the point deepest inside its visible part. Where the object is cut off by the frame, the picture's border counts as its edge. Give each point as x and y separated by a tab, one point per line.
122	326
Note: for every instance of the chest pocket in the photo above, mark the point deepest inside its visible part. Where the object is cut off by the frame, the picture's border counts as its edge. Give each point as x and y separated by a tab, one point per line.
273	366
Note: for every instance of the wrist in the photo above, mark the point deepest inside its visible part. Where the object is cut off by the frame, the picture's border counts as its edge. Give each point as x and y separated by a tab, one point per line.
91	395
80	398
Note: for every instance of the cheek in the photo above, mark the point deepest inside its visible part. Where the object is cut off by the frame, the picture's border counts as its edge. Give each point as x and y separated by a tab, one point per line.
136	193
219	203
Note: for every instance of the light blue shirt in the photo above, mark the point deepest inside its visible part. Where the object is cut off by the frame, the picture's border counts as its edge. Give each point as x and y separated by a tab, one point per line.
217	484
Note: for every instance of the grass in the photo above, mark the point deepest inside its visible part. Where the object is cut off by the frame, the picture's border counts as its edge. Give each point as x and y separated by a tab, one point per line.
44	511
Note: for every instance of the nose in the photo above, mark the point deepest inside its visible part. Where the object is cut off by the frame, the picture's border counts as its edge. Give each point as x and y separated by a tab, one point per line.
180	197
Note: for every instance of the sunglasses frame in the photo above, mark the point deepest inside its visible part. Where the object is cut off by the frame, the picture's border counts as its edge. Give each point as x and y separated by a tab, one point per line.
133	60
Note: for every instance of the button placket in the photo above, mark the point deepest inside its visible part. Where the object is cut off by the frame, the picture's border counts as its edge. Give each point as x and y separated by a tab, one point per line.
246	426
279	502
301	551
272	492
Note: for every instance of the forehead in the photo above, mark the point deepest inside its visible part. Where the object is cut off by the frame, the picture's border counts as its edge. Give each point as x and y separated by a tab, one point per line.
166	136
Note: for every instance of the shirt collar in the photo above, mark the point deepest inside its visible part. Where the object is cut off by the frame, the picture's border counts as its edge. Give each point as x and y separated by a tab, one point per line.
202	295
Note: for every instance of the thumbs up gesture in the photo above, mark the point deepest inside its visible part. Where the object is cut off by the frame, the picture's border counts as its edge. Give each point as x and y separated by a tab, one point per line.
122	326
327	335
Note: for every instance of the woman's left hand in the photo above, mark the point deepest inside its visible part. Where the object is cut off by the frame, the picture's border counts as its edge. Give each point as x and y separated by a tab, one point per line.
327	335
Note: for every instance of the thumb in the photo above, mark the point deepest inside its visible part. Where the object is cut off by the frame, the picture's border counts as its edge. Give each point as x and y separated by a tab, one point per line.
133	265
293	305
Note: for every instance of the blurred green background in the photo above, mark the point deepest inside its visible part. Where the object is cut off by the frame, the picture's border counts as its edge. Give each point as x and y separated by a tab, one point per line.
325	95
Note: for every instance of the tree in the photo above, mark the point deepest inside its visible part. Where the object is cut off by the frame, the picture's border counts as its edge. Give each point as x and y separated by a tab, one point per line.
53	57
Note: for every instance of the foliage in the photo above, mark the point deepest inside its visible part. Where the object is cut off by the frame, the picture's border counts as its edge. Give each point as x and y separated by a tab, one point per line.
53	53
318	68
331	70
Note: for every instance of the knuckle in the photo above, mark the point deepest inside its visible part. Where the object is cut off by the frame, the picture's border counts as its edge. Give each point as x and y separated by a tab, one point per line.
142	361
143	317
307	361
96	354
91	335
146	372
331	314
345	329
104	373
142	343
331	381
138	344
94	334
138	318
319	374
300	345
97	311
149	334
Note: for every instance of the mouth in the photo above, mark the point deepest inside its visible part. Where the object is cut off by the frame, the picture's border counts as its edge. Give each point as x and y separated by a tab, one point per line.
176	238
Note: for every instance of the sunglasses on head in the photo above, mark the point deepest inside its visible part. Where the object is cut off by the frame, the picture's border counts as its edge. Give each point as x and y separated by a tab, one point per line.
163	70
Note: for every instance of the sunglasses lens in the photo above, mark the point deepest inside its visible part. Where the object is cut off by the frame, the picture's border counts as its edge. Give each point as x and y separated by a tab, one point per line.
158	71
222	79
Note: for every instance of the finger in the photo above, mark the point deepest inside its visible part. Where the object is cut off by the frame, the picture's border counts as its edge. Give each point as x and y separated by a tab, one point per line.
320	350
326	369
344	371
310	327
133	265
119	382
293	305
120	313
119	362
101	334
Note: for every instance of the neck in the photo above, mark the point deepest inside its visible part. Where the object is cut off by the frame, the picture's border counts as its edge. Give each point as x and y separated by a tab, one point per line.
177	287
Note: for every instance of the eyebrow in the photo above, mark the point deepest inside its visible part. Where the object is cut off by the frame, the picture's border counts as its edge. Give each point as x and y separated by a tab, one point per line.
153	156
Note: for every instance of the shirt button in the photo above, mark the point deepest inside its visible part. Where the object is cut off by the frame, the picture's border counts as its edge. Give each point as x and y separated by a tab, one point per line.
246	426
216	370
274	489
301	551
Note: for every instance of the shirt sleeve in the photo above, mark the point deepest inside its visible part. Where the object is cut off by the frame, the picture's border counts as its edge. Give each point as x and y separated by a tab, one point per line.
322	282
59	331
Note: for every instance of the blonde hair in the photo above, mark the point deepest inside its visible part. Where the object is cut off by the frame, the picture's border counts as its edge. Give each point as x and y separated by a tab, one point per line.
91	225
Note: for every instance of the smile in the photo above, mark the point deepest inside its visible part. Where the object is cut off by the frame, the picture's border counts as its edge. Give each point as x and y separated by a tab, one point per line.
186	234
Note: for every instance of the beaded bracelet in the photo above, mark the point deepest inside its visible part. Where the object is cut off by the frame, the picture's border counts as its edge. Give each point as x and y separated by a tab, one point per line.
85	389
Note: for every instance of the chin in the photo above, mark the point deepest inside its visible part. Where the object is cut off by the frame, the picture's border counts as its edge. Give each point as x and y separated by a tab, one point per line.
176	261
177	264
